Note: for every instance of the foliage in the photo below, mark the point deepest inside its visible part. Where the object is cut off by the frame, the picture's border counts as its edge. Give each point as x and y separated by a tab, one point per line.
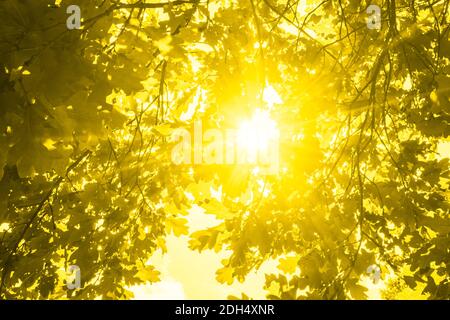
86	118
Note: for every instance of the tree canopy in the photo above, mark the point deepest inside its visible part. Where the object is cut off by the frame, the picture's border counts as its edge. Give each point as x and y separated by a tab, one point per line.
87	118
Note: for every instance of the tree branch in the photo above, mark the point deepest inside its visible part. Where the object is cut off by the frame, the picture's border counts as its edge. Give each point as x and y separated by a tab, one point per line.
35	214
145	5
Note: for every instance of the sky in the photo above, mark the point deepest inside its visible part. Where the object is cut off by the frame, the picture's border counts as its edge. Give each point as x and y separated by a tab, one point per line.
188	274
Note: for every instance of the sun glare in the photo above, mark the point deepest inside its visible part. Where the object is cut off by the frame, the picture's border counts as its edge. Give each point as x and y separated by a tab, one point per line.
271	97
256	136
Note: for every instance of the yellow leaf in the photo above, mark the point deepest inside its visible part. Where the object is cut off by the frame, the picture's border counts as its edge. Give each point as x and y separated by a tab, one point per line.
357	291
434	96
217	208
288	264
225	275
177	226
164	129
148	274
161	242
164	44
172	209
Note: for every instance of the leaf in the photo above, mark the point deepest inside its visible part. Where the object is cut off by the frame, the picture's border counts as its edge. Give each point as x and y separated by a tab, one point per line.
243	297
225	275
164	129
148	274
357	291
164	44
288	264
217	208
200	190
410	281
177	225
207	239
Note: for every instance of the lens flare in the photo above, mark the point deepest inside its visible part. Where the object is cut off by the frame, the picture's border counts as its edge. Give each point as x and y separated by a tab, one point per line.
256	136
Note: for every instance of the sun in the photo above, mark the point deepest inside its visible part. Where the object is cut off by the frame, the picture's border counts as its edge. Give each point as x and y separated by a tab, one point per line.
257	138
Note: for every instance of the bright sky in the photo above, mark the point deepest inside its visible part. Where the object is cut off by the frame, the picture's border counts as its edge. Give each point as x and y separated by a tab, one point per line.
187	274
